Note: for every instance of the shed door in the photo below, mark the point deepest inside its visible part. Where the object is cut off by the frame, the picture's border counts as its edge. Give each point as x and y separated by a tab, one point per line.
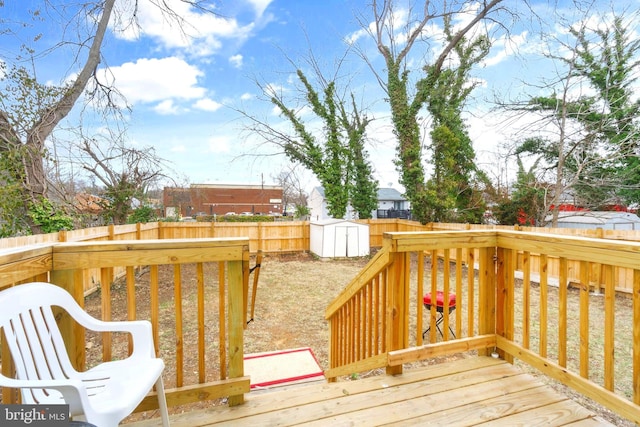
346	241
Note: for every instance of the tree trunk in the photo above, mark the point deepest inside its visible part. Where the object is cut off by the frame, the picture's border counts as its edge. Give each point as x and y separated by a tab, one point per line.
35	179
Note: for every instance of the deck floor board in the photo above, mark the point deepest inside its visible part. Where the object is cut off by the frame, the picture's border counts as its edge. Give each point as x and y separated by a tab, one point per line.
466	392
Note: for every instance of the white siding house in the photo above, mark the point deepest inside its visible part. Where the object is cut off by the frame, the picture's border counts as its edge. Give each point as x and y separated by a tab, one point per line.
389	199
318	205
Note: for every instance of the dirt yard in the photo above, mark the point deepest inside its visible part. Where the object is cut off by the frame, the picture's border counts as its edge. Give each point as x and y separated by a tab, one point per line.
293	293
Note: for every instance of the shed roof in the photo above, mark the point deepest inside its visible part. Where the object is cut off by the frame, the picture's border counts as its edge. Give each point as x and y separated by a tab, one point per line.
596	217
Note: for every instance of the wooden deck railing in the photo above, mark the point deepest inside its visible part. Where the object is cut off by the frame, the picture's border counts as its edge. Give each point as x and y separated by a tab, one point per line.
505	303
589	341
211	335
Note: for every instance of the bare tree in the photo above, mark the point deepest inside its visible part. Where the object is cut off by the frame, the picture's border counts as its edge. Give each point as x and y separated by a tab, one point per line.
25	141
293	188
124	172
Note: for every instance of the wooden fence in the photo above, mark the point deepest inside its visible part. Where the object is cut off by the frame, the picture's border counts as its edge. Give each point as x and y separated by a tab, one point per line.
294	236
274	237
268	237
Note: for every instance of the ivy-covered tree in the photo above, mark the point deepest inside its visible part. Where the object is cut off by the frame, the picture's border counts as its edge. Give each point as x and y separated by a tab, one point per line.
407	100
23	103
363	188
336	155
610	64
453	191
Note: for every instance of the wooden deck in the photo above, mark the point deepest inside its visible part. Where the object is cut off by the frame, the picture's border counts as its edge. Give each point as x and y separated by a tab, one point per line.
461	393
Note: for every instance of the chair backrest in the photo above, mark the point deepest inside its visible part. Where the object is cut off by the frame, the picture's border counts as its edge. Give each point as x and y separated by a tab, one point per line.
33	336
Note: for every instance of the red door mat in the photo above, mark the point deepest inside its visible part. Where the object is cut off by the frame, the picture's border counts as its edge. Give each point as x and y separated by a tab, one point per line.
284	367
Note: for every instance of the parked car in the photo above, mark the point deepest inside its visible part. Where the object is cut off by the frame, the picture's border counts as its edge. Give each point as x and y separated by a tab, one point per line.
246	213
230	214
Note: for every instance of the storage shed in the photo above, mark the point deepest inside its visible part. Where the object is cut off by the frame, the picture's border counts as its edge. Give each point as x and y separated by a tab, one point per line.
607	220
337	238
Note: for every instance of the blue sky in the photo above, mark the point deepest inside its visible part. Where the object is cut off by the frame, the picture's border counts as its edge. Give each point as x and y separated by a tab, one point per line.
185	91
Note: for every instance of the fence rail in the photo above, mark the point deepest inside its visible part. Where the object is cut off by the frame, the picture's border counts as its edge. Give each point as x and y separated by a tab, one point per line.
294	236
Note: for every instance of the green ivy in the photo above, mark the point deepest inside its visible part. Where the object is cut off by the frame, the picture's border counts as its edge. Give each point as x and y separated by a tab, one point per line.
142	215
49	217
12	196
339	161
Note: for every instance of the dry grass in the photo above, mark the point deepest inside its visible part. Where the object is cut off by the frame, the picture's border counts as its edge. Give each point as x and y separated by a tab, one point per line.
293	293
291	300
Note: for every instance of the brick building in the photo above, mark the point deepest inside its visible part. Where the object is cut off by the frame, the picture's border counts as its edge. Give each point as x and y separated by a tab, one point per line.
219	199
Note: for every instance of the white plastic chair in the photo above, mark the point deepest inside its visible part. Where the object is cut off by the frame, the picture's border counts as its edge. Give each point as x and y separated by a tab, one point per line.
103	395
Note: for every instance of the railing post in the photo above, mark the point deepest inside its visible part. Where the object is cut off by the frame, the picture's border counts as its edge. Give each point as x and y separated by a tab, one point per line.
487	294
504	297
245	291
396	308
236	324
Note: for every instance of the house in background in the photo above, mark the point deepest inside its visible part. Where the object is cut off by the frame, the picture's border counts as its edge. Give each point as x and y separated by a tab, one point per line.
318	205
391	204
219	199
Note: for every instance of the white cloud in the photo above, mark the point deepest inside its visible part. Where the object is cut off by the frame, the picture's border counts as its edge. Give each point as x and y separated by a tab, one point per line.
260	6
506	47
357	35
166	107
246	96
154	80
199	33
219	144
207	104
178	148
236	61
276	111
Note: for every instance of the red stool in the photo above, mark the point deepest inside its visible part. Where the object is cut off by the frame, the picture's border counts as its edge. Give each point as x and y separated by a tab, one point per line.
440	305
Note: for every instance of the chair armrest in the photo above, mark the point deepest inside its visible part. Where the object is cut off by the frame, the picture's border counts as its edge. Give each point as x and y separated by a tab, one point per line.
72	390
140	330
